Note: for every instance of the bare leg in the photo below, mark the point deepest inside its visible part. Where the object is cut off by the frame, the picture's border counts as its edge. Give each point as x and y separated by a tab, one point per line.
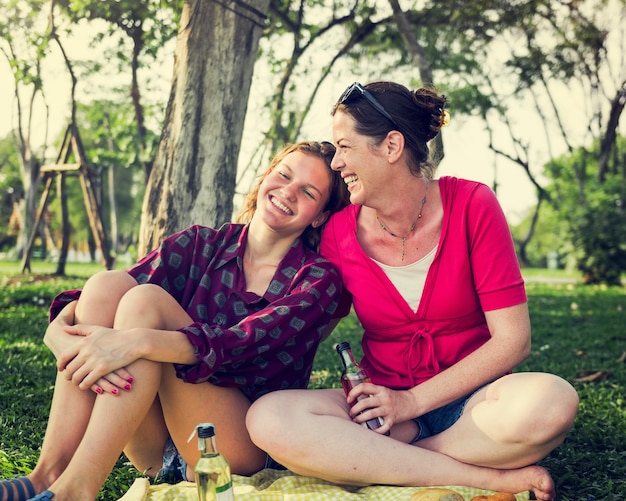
110	422
181	406
114	419
185	405
514	422
99	426
145	448
61	440
302	429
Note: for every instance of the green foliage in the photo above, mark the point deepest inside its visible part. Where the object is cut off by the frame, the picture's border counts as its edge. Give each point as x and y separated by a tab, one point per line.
593	211
23	40
579	330
148	23
11	191
551	235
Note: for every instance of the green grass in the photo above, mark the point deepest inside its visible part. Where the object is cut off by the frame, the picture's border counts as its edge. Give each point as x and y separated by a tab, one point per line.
576	329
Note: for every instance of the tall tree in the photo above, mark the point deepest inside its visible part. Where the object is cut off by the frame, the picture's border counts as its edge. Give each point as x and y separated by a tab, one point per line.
562	54
193	177
148	25
23	42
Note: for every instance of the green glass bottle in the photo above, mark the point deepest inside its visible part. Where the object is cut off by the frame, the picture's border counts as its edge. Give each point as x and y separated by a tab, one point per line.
352	376
212	470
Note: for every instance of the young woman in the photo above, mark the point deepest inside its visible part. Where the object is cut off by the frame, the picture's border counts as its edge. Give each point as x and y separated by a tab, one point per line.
435	282
238	311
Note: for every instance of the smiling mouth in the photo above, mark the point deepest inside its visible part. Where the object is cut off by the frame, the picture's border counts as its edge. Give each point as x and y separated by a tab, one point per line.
351	179
277	203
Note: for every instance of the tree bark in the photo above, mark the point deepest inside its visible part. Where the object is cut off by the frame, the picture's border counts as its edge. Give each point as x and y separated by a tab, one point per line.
421	61
194	174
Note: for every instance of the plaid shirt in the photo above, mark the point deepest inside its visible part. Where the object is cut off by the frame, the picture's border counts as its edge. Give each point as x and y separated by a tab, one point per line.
257	343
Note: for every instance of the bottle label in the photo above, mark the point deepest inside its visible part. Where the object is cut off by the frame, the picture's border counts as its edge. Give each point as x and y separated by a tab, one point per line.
225	492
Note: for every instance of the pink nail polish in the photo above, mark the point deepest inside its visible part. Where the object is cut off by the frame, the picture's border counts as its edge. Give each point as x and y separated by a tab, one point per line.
127	387
99	391
131	379
114	391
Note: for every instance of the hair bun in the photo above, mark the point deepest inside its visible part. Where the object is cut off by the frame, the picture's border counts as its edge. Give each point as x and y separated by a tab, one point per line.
433	111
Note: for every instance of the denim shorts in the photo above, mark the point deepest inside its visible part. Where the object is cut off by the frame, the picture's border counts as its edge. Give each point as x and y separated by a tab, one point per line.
440	419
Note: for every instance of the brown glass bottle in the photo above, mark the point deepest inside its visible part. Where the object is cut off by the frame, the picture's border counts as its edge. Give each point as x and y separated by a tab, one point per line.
353	375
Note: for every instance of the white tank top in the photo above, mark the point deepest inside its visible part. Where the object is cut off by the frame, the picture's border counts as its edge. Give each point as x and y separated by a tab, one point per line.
410	279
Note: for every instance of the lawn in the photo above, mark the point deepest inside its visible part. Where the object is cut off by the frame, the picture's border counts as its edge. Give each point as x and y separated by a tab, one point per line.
578	333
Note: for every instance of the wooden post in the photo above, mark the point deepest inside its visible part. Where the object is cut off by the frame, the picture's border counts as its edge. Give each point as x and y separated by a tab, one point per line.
71	145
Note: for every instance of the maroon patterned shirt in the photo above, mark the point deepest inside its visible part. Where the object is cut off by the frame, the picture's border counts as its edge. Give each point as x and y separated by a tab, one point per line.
258	344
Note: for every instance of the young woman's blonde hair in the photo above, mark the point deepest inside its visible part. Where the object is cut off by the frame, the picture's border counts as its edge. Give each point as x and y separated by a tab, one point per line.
338	196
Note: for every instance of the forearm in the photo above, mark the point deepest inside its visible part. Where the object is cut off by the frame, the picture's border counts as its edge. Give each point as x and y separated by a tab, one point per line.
55	338
489	362
508	345
161	346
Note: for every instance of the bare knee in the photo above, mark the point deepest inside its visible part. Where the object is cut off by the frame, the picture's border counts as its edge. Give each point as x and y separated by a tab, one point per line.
153	306
101	295
544	411
109	282
561	409
264	421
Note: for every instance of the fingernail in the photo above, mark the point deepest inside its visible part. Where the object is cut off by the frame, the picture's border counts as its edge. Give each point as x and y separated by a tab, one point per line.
99	391
127	387
114	391
130	379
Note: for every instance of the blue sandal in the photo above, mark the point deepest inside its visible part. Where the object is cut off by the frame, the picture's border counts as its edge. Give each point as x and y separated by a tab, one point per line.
43	496
16	489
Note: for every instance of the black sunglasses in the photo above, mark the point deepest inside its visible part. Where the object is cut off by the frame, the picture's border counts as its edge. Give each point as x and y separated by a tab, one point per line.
357	90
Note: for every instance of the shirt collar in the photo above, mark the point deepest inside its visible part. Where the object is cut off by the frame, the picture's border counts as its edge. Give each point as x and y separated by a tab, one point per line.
288	268
296	254
235	246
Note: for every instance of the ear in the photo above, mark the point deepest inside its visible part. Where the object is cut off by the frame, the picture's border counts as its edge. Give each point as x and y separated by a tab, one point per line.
394	143
320	220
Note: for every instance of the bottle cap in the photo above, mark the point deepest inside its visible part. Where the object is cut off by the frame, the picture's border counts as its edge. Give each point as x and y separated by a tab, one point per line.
206	430
343	346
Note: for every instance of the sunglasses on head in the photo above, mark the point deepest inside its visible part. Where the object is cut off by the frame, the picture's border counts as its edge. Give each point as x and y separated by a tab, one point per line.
357	90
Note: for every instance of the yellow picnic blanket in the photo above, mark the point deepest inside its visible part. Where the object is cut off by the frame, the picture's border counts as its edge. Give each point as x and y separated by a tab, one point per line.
279	485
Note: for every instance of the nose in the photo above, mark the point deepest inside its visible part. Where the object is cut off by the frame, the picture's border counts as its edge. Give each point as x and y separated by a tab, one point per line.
336	163
289	191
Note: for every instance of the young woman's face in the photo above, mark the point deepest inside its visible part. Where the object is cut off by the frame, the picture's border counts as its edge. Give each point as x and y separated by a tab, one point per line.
356	160
293	195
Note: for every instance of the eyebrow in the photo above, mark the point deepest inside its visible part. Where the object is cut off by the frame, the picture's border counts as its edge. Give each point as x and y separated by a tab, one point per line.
312	186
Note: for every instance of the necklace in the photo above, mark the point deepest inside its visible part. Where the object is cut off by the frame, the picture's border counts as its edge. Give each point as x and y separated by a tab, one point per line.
411	229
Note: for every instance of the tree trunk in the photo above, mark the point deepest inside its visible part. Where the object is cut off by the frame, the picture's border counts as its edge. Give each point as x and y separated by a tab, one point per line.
112	208
421	61
65	224
194	174
31	179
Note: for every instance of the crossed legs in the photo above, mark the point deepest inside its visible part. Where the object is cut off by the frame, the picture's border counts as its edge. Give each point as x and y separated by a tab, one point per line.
510	424
87	432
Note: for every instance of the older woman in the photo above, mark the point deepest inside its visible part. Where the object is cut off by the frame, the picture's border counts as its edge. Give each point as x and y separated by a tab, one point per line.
434	279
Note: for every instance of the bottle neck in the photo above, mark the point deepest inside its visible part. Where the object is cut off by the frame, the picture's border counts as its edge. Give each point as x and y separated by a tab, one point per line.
347	358
207	446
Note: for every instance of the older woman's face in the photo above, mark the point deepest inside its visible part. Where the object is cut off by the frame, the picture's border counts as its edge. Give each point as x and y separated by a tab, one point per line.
356	159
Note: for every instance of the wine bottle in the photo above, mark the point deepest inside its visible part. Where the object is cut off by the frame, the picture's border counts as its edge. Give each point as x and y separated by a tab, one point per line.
212	470
353	375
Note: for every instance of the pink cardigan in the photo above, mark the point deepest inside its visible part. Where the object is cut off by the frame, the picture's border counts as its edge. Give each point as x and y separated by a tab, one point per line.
474	270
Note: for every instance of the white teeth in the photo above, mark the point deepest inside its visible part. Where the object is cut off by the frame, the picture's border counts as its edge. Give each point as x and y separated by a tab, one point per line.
351	179
282	207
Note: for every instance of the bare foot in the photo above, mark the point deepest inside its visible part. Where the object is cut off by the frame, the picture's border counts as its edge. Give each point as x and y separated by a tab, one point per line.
531	478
